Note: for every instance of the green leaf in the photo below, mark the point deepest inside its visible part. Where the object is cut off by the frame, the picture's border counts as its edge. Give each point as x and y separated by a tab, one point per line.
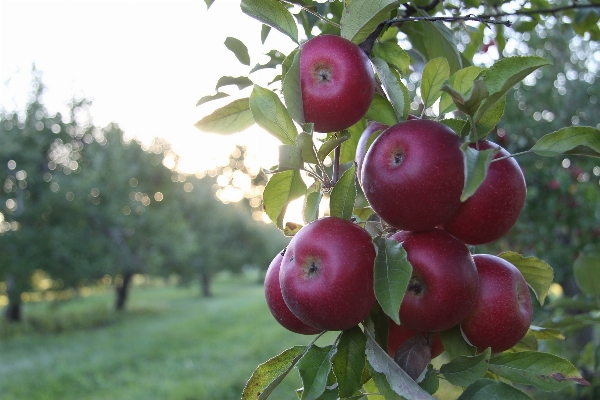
462	82
209	3
546	333
314	368
455	344
330	145
343	195
543	370
488	389
304	141
469	105
239	49
431	382
378	323
439	42
391	276
310	208
587	271
206	99
477	163
393	54
268	375
489	120
264	32
435	73
394	378
349	361
241	82
527	343
270	113
396	92
234	117
455	124
537	273
275	58
503	75
292	92
575	140
348	148
464	370
287	62
361	17
381	110
290	157
281	189
363	213
272	13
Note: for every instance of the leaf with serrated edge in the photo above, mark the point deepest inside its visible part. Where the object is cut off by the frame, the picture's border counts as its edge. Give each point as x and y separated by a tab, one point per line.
455	124
477	163
290	157
280	190
239	49
397	379
272	13
393	54
543	370
464	370
232	118
462	82
435	73
268	375
491	118
349	361
546	333
270	114
314	368
361	17
488	389
310	207
348	148
292	92
381	110
394	89
330	145
343	195
576	140
391	276
527	343
304	141
413	356
455	344
536	272
505	74
439	42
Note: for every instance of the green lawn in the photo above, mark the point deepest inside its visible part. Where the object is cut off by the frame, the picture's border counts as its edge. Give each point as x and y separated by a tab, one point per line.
170	344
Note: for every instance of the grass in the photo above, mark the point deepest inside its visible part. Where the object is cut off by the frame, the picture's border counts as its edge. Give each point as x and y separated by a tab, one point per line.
170	344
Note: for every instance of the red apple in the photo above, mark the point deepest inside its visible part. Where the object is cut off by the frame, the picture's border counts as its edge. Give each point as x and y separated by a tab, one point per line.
413	174
443	287
398	334
277	305
503	310
496	205
361	148
337	83
326	274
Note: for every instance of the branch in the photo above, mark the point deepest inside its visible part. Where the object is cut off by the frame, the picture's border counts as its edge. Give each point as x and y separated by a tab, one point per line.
470	17
540	11
308	10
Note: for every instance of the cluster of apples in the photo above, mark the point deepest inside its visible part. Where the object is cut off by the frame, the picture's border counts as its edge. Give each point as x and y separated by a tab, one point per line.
413	176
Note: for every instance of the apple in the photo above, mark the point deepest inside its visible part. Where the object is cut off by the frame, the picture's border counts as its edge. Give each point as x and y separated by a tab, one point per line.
326	275
503	311
363	142
398	334
337	83
444	284
277	305
496	205
413	174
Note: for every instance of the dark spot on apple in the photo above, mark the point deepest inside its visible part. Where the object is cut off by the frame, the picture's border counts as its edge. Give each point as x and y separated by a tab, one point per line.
397	159
415	286
322	74
283	252
313	268
292	258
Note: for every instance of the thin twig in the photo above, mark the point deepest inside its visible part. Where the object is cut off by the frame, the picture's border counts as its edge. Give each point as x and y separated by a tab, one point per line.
540	10
316	14
336	165
469	17
512	155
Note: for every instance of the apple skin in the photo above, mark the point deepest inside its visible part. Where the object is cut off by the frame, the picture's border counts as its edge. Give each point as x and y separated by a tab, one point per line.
413	174
496	205
444	283
503	311
337	83
326	275
276	304
361	148
398	334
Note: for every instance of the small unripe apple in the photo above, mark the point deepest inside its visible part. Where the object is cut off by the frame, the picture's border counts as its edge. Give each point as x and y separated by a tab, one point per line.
337	82
326	274
503	311
276	304
413	174
398	334
444	284
496	205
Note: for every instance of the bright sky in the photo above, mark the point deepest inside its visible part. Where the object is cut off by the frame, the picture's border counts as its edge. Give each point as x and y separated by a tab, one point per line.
145	64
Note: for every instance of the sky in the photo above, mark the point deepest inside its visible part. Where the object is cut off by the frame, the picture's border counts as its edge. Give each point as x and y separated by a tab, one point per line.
144	64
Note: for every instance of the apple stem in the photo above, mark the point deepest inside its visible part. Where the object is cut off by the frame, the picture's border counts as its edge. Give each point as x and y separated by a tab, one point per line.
511	155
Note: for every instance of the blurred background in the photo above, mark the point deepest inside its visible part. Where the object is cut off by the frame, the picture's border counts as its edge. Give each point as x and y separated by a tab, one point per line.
133	247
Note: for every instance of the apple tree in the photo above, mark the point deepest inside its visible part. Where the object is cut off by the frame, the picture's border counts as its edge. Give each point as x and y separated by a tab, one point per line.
404	100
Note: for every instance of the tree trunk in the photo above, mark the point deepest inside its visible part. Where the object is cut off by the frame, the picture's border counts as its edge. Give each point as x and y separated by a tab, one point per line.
12	312
123	291
205	283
